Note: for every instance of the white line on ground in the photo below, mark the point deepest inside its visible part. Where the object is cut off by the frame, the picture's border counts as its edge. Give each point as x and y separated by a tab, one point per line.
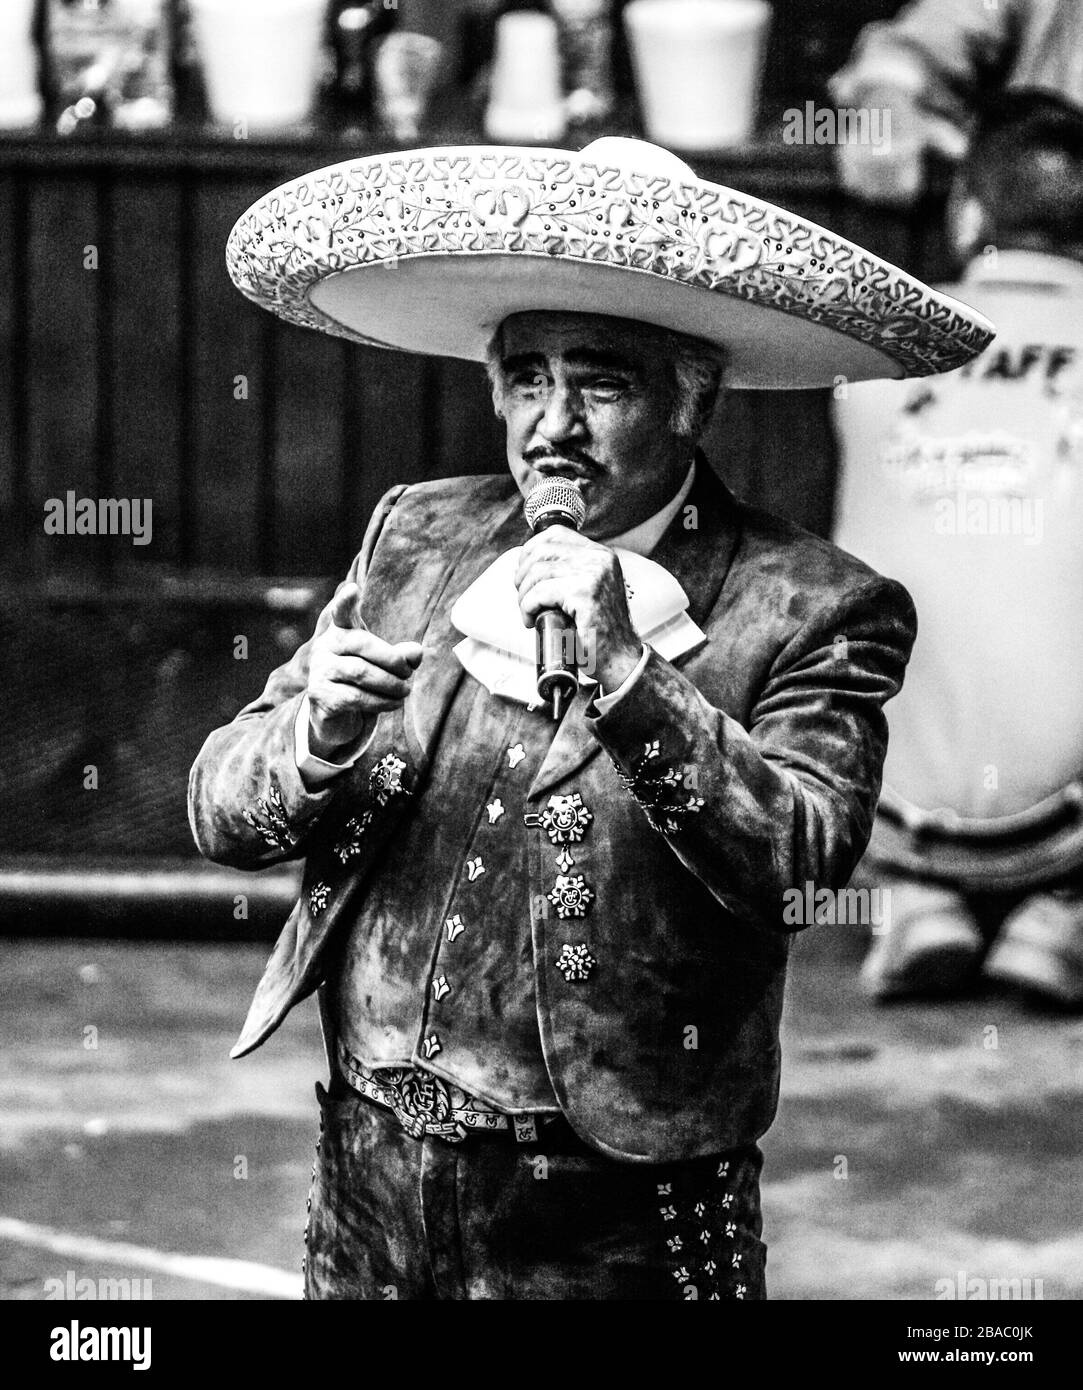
242	1275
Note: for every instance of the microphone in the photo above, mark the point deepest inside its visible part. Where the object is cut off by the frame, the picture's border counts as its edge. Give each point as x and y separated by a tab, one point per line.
555	503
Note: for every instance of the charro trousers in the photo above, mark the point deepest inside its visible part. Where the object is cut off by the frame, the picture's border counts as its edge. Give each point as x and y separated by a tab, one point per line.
393	1217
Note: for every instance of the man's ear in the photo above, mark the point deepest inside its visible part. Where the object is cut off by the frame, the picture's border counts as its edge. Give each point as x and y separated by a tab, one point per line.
707	409
494	370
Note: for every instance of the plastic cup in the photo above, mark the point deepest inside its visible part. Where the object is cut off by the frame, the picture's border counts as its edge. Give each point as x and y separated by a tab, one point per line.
526	100
698	65
20	99
262	59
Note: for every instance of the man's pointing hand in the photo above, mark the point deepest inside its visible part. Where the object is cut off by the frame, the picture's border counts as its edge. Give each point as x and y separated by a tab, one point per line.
353	677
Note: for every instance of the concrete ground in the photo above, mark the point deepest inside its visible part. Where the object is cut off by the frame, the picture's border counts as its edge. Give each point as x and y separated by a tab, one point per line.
913	1143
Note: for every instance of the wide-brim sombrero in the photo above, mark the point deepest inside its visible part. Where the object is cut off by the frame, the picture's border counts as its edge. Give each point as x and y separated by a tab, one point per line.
430	250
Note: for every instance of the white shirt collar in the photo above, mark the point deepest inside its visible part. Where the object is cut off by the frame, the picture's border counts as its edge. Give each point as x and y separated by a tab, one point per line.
643	538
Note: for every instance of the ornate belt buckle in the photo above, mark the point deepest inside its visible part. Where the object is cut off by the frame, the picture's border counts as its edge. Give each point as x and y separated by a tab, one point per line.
425	1097
425	1107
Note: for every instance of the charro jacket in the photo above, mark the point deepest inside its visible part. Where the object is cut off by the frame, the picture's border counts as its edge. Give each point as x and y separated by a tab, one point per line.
747	767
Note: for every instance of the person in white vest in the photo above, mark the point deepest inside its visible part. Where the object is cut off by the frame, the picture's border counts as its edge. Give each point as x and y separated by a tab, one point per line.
969	488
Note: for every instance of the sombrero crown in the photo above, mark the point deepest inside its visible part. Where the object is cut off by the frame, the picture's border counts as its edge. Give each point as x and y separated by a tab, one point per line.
430	250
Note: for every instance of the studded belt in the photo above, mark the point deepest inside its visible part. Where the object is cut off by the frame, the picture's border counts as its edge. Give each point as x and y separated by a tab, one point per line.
425	1104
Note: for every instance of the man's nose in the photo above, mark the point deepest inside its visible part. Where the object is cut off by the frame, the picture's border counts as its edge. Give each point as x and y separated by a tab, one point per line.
563	414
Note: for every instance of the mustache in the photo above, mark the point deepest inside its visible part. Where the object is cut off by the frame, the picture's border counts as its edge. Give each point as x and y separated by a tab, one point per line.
568	458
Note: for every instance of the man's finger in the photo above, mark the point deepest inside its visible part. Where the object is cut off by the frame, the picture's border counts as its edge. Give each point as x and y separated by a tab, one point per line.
365	676
558	543
544	593
400	658
346	611
539	572
528	562
333	709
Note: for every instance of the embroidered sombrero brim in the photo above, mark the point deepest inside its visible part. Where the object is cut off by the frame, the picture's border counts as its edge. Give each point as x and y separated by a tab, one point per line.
430	250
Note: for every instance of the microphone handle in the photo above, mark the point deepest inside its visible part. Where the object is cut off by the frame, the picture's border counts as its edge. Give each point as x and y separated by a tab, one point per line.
558	665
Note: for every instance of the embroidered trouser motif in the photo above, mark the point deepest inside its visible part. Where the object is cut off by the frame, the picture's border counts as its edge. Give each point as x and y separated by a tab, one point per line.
394	1217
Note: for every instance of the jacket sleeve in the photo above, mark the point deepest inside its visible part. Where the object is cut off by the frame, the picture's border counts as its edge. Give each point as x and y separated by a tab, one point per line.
791	799
247	803
938	51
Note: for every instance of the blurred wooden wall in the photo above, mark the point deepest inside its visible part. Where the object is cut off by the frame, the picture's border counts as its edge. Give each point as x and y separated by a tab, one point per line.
264	447
122	381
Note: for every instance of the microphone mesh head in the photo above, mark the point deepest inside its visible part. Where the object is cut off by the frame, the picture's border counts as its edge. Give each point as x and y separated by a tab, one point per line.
557	495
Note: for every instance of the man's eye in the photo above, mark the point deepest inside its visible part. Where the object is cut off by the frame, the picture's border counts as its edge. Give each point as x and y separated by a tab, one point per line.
606	386
528	381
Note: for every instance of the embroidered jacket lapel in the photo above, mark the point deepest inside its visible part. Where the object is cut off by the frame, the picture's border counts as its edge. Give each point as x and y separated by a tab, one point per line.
411	589
699	546
440	674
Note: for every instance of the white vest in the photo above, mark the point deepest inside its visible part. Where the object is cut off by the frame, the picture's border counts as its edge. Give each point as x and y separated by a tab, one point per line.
968	488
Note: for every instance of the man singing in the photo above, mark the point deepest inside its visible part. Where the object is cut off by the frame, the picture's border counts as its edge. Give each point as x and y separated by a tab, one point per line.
550	953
